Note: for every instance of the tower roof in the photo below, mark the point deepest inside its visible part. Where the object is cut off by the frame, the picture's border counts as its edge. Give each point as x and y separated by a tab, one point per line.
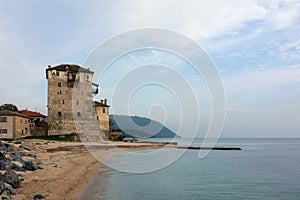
73	68
99	104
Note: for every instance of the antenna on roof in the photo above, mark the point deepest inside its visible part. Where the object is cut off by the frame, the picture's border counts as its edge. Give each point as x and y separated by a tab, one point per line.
91	64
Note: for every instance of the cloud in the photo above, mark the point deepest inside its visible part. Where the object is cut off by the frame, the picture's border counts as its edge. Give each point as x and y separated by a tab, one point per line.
40	33
195	18
262	79
290	50
206	20
283	14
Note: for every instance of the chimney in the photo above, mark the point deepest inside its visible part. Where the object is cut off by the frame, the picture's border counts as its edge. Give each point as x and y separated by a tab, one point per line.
101	101
49	66
105	101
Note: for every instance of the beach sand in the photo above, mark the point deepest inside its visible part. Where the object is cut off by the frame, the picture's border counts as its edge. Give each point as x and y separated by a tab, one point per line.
68	168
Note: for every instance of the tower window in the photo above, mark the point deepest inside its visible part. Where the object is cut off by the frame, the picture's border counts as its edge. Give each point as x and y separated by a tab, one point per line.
3	131
59	114
77	102
57	73
3	119
103	110
78	114
63	101
59	84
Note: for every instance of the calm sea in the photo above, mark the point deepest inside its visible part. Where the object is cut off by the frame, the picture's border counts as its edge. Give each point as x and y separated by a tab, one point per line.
264	169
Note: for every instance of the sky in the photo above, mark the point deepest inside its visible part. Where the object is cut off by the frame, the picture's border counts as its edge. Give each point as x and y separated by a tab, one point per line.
255	46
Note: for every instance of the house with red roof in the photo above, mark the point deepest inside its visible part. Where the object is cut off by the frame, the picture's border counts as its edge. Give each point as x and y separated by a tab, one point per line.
36	122
33	115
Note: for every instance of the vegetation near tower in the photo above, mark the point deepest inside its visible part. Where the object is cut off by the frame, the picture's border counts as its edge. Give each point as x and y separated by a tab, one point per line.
10	107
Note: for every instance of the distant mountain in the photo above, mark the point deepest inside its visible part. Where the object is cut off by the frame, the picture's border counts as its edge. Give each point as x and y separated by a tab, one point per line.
140	127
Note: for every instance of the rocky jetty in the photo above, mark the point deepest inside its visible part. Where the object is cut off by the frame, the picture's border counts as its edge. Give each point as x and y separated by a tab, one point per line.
13	161
210	148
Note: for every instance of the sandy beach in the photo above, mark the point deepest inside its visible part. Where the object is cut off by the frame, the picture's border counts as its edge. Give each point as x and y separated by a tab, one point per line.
68	168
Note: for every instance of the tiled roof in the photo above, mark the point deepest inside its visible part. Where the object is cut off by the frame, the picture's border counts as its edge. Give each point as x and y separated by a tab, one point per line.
31	113
12	113
98	104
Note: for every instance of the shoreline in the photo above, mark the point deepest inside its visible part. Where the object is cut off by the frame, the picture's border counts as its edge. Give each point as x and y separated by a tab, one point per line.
69	168
65	173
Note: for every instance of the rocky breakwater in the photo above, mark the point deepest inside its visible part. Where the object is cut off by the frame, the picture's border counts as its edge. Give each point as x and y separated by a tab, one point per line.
14	160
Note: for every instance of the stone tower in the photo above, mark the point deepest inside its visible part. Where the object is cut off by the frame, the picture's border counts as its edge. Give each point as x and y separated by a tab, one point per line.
70	90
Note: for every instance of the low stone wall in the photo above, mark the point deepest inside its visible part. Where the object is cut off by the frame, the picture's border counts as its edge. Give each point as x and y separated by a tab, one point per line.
38	131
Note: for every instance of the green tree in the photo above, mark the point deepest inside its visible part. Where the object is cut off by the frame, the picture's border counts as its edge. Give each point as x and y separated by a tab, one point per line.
9	106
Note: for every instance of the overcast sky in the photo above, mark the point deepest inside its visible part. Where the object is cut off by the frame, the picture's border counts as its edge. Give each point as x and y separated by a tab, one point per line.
255	46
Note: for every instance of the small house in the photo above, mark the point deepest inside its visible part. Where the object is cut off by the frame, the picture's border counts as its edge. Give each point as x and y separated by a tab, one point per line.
14	125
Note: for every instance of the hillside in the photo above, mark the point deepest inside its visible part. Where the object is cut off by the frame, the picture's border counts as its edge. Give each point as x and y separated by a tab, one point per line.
141	128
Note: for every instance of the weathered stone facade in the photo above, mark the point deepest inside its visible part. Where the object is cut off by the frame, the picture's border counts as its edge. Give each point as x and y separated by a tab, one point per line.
69	97
102	114
13	125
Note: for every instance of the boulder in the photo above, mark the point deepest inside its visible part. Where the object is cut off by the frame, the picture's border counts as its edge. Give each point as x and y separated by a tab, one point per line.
10	189
24	147
37	162
20	177
31	166
2	186
9	156
5	164
27	158
17	164
17	157
38	196
2	155
5	147
11	178
5	195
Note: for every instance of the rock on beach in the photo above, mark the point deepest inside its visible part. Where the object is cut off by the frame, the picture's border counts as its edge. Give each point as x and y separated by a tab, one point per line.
12	160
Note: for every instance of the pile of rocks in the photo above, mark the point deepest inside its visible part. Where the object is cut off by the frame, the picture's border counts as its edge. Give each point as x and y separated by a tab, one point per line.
12	160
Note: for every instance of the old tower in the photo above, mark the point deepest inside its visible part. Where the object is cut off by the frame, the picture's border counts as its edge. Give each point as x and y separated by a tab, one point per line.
70	93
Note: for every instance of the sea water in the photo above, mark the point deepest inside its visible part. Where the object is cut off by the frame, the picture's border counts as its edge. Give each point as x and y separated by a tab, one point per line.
264	169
